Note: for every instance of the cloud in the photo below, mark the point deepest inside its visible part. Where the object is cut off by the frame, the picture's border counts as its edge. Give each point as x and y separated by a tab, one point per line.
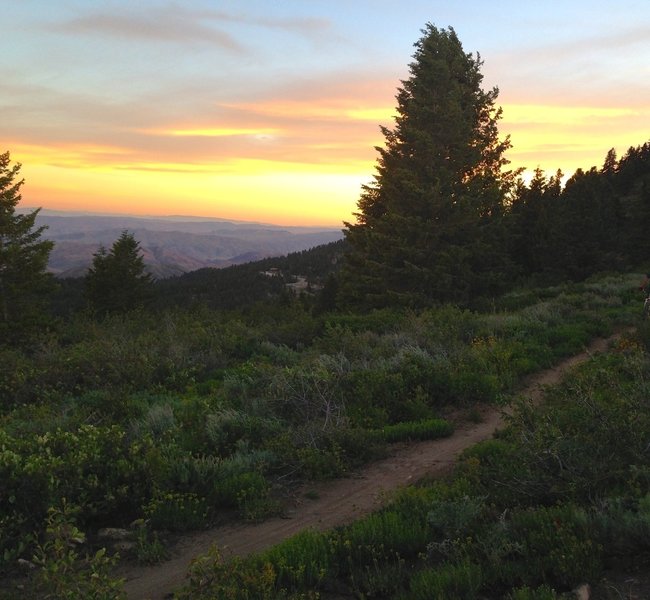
180	25
305	26
163	25
330	120
604	69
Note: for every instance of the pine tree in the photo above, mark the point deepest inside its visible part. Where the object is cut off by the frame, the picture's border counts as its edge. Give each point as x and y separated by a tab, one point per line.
24	281
430	226
590	217
533	224
116	281
632	185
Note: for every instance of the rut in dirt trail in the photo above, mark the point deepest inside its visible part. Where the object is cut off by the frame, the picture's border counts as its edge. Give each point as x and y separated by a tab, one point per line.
336	502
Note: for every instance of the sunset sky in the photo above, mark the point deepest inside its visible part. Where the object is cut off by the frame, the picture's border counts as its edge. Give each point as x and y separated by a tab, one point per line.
269	111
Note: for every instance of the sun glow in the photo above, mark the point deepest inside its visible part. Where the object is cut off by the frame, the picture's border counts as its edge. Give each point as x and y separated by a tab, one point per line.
256	190
569	137
308	170
217	132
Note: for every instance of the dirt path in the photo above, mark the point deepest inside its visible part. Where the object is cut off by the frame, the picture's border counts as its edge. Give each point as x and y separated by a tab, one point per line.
336	502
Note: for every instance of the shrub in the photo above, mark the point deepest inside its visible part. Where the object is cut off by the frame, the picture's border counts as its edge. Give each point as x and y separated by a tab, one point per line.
623	525
64	574
149	549
300	562
489	451
254	501
157	421
429	429
210	576
379	535
447	582
543	592
556	548
228	426
177	511
456	517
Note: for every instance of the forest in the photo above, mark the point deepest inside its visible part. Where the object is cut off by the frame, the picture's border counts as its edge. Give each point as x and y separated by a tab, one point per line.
169	406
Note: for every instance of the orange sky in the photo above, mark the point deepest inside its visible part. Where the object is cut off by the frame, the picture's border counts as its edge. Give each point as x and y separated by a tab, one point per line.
178	109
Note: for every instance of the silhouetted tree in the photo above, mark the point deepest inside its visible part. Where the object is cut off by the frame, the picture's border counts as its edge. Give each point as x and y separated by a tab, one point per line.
430	226
532	224
24	281
117	281
587	224
632	185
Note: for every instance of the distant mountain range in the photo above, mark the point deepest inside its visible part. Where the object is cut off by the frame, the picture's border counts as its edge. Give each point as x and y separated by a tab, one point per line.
172	245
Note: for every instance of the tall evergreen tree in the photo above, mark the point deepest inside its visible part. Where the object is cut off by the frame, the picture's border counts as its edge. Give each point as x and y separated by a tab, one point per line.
532	225
430	226
24	280
632	185
116	281
588	225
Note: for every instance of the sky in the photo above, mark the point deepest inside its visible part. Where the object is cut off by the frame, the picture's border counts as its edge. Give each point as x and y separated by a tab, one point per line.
270	111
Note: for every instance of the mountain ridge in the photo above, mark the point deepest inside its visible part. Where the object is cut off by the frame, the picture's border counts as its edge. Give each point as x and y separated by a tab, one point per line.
172	245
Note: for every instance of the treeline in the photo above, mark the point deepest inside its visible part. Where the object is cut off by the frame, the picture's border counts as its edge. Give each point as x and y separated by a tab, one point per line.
445	221
597	222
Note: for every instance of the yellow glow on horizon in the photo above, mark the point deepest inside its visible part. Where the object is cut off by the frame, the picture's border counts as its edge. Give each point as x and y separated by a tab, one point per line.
381	115
309	110
290	195
313	180
542	114
568	137
216	132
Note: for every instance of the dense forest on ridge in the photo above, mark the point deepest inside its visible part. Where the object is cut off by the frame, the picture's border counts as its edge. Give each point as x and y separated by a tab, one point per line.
164	407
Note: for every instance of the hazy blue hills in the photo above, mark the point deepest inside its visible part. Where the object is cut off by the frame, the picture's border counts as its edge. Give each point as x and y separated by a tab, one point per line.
173	245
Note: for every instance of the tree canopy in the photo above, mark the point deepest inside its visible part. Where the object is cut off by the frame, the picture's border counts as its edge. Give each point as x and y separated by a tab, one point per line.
24	280
429	226
117	281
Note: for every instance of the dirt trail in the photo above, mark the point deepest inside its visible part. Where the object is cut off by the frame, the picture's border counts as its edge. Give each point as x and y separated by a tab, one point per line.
336	502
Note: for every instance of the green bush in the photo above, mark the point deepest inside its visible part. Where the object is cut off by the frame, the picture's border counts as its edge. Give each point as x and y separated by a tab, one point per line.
489	451
447	582
383	534
227	427
211	577
430	429
254	501
300	562
623	525
176	511
456	517
93	467
557	548
543	592
63	573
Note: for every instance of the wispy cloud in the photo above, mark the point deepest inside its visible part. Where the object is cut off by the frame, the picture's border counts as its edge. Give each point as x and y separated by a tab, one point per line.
177	24
162	25
589	68
305	26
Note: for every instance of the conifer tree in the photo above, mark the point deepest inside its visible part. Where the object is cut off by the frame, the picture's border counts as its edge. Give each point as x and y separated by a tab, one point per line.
116	281
632	185
24	281
533	237
588	225
430	226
